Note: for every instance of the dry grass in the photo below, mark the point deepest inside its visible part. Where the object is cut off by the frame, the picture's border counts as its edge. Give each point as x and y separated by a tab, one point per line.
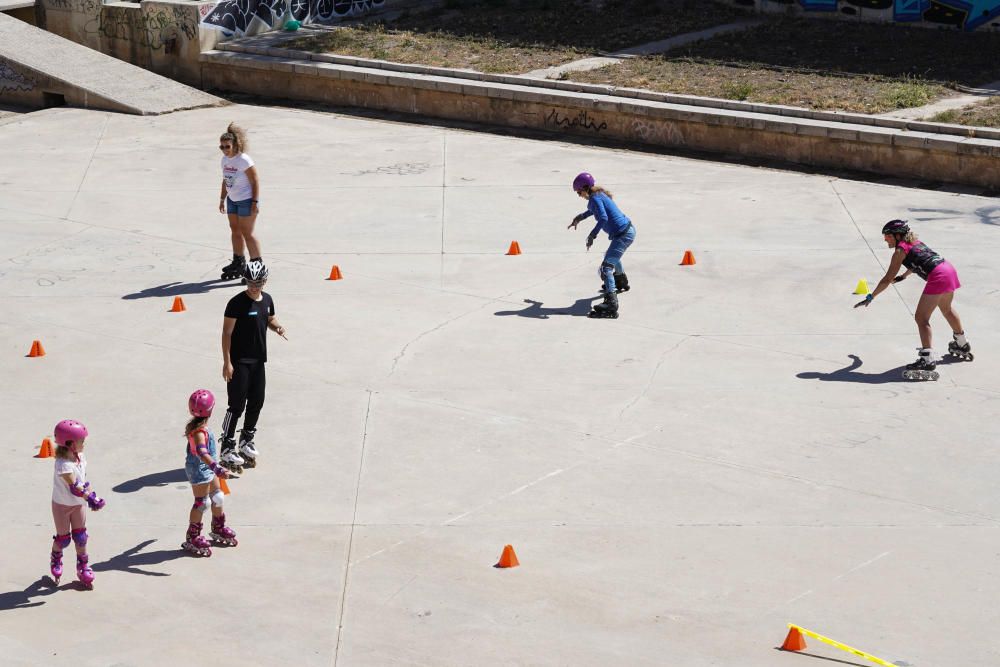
818	64
765	86
517	36
983	114
435	49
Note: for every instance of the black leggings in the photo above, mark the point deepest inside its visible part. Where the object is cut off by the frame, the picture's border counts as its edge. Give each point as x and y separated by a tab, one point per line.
246	389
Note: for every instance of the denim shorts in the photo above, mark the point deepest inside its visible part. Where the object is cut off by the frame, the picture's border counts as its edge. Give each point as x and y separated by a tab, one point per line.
241	208
198	473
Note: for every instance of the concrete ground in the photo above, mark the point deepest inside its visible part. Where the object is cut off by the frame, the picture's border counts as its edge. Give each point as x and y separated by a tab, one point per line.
736	452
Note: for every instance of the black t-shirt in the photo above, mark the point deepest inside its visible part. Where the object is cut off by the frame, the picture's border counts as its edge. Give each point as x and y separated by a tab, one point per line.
249	339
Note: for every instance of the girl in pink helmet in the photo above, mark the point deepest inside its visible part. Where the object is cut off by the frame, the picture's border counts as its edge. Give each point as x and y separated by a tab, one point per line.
71	494
202	471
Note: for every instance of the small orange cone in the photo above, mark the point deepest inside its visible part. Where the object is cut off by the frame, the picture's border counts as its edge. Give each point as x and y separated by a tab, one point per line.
36	349
515	248
45	451
508	558
688	258
335	273
178	306
794	641
224	486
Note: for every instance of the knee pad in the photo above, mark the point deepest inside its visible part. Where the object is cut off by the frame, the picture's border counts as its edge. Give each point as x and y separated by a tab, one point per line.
62	540
218	498
80	537
200	504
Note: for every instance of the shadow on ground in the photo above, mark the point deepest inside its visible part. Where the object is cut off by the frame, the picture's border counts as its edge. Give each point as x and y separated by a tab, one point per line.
22	599
580	308
130	560
181	289
153	479
849	373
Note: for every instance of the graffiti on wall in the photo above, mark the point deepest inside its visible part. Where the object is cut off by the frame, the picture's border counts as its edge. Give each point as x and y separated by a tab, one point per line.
151	29
12	81
236	17
965	14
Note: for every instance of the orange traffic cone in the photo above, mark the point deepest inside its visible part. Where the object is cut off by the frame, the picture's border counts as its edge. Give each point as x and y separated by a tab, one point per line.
508	558
223	486
36	349
335	273
794	641
688	258
178	306
515	248
45	451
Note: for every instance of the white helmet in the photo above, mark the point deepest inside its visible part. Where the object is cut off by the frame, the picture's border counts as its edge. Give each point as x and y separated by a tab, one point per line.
255	272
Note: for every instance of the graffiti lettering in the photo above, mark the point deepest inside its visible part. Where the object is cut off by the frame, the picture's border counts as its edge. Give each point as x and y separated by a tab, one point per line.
13	81
236	17
582	119
965	14
149	29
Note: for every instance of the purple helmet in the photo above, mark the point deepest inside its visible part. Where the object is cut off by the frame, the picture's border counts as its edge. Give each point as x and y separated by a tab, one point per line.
201	403
583	180
69	430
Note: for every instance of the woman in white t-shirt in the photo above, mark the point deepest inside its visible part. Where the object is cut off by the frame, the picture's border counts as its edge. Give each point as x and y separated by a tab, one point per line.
238	197
71	494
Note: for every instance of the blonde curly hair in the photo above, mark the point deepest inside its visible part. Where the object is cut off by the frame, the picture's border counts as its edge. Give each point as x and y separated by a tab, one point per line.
237	135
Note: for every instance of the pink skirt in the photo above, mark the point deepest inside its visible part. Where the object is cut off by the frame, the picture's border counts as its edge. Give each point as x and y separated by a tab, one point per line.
942	279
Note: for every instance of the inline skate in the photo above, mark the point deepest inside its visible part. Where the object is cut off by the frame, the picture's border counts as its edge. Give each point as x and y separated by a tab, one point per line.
606	310
235	268
247	450
230	459
84	574
922	368
963	352
221	533
196	543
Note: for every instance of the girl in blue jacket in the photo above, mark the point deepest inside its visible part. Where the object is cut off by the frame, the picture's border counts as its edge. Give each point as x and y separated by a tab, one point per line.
619	229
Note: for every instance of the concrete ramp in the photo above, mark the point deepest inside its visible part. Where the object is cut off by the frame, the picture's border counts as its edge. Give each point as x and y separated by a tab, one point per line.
39	69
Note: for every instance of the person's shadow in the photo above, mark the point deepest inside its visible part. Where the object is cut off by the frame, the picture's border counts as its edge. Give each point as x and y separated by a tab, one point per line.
580	308
130	560
181	289
22	599
849	374
153	479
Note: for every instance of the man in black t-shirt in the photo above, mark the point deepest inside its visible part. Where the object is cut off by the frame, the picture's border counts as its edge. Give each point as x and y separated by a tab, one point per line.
248	316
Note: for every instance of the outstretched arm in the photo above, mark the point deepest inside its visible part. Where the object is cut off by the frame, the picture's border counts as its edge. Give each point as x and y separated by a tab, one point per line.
897	261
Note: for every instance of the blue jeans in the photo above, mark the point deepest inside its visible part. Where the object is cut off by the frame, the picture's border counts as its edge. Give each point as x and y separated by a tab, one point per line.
612	263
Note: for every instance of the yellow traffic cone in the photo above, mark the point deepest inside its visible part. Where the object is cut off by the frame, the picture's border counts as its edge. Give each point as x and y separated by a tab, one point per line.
862	287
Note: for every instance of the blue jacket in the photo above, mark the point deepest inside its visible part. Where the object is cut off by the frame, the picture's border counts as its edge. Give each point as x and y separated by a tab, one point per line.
609	217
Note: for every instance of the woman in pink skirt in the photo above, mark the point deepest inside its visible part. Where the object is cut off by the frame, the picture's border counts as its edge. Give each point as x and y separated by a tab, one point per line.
942	281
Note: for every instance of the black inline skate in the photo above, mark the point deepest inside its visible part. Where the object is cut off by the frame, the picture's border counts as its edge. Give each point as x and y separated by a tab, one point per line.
247	451
606	310
230	459
621	284
922	368
963	352
235	268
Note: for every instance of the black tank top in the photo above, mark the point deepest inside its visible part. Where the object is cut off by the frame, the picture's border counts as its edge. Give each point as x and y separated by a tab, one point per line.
921	260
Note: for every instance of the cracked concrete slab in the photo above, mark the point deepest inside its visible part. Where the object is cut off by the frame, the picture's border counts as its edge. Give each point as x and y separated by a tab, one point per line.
736	451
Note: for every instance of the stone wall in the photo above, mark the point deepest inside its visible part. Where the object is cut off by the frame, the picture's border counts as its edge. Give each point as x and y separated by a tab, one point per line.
965	15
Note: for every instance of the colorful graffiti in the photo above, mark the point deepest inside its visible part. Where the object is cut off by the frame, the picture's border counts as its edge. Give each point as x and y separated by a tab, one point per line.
237	17
963	14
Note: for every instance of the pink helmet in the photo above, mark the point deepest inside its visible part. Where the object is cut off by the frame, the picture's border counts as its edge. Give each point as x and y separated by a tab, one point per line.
582	181
201	403
69	430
